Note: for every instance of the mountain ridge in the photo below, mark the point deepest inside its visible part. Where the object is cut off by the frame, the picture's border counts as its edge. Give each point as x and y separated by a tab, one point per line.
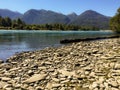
9	13
92	18
33	16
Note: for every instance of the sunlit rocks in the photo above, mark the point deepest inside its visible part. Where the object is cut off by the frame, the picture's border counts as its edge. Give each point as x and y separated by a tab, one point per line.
90	65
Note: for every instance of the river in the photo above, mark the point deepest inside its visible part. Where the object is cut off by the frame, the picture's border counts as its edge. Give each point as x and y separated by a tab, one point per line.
15	41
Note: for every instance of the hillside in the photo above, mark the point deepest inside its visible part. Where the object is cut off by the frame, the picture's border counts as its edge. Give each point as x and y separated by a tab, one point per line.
88	18
92	18
9	13
43	17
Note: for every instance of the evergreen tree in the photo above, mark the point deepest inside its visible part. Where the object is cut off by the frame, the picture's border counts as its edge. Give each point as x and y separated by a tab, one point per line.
0	21
8	22
3	22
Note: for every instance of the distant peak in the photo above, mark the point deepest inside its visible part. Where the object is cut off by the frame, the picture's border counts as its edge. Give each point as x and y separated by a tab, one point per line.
90	11
73	13
32	10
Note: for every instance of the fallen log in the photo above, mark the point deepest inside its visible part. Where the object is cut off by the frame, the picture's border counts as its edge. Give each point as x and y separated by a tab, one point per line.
86	39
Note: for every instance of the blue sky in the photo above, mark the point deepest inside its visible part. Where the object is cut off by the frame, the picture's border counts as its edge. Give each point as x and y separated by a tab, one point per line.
106	7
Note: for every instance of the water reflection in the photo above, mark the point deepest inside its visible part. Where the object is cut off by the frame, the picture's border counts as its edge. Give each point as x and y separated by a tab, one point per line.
17	41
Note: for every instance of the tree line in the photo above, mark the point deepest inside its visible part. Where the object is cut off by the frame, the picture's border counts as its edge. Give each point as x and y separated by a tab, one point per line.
115	22
59	27
7	23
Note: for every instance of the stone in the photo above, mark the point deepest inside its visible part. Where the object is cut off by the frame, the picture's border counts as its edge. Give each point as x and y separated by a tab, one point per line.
67	73
49	86
39	88
2	84
55	79
17	86
113	84
106	85
101	79
6	79
35	78
56	85
62	82
1	61
7	86
117	66
14	69
30	72
46	63
94	85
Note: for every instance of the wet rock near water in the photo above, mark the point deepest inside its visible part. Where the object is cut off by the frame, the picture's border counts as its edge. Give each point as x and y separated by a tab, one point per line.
93	65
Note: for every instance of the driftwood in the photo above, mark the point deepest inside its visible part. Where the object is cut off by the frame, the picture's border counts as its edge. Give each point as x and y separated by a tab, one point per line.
86	39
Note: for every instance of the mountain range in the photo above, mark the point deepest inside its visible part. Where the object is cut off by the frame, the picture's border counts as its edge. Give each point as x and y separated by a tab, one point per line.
88	18
9	13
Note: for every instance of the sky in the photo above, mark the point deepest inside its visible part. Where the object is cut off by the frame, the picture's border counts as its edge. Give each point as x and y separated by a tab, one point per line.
106	7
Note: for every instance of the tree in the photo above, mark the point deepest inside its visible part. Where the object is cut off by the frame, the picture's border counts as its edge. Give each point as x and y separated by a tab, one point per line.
3	22
115	22
18	24
8	22
0	21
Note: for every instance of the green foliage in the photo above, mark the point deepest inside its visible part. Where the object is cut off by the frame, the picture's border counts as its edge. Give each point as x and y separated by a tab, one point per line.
115	22
7	23
59	27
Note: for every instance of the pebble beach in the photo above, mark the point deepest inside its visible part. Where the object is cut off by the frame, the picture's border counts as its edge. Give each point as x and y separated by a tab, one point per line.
90	65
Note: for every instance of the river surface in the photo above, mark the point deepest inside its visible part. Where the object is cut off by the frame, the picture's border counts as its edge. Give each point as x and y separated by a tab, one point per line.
16	41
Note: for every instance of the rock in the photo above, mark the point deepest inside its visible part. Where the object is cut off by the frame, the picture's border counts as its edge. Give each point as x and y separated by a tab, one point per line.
117	66
35	78
30	72
2	84
7	86
63	82
1	61
39	88
113	84
56	85
55	79
47	63
94	85
67	73
49	86
6	79
17	86
106	85
101	79
14	69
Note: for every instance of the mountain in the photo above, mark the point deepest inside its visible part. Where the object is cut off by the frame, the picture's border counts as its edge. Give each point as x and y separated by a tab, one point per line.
72	16
9	13
88	18
92	18
44	17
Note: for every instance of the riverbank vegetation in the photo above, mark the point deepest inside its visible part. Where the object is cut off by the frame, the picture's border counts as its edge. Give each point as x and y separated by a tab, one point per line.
18	24
7	23
115	22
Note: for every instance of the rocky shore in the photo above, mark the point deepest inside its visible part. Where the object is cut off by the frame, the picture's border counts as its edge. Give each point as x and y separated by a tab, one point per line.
93	65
